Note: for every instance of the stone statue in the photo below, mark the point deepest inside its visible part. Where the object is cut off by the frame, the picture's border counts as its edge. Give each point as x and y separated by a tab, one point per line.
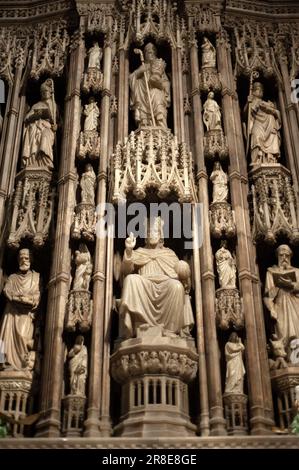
235	370
278	352
226	267
263	127
157	294
208	54
150	90
39	131
78	359
83	268
220	183
23	291
212	113
92	113
88	185
95	55
294	351
282	295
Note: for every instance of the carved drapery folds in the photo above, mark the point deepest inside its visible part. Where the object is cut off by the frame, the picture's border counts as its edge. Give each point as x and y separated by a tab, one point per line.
79	306
93	76
89	144
274	208
209	78
152	159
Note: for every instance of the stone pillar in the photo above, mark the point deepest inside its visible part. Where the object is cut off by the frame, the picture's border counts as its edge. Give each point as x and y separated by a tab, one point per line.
12	131
260	400
290	126
96	424
178	98
52	370
217	421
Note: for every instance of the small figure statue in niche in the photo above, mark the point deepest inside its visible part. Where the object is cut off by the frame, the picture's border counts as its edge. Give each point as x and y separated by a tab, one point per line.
212	113
226	267
235	370
92	113
220	183
95	55
88	185
83	268
78	359
208	54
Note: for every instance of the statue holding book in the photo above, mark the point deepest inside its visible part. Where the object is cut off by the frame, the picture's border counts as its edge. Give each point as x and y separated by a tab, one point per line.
282	295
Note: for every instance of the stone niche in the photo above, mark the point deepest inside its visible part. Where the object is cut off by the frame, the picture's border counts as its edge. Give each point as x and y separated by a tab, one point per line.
154	372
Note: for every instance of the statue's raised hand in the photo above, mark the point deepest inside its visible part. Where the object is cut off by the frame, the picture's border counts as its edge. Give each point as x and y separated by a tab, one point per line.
130	243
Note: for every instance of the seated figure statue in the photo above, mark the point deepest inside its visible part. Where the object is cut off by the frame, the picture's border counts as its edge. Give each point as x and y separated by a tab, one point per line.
156	288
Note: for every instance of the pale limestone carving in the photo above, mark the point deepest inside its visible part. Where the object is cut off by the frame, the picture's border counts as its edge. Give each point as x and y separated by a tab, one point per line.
150	90
278	352
95	55
89	140
264	123
39	131
222	220
220	183
212	113
152	158
294	351
79	306
23	291
93	77
83	268
91	113
32	207
235	370
159	293
282	295
50	47
274	205
88	185
229	309
226	267
78	358
208	54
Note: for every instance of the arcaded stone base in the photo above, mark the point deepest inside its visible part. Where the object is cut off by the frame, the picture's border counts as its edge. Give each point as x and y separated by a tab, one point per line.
217	442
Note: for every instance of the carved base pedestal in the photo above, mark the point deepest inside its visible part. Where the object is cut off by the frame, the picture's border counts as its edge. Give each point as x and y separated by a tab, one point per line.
235	411
215	144
154	372
229	310
79	311
222	220
274	209
283	383
89	145
73	415
85	220
92	80
32	207
16	397
209	79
